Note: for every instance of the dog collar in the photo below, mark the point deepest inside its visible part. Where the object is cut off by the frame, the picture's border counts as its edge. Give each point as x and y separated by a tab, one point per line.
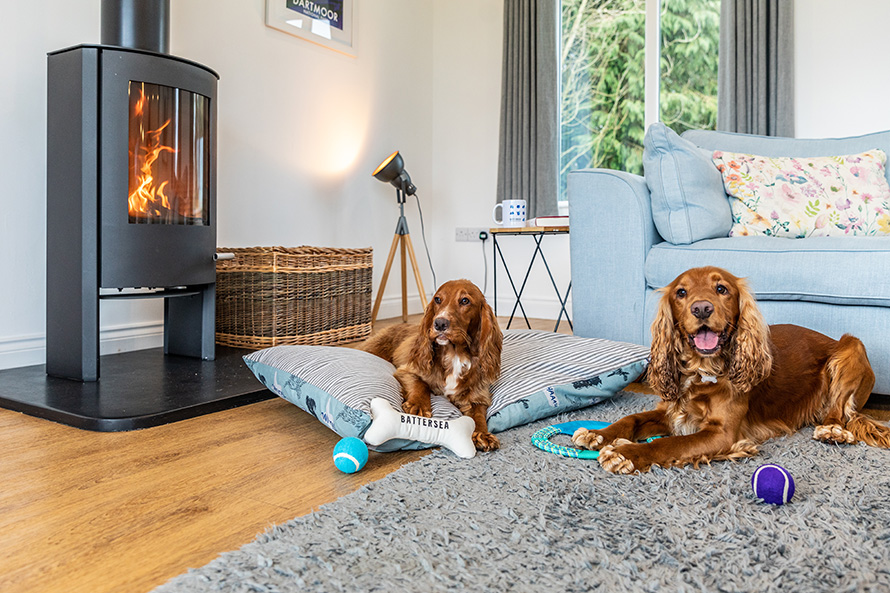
707	378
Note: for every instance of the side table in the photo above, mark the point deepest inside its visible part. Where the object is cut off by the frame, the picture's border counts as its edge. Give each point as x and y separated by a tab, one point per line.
538	234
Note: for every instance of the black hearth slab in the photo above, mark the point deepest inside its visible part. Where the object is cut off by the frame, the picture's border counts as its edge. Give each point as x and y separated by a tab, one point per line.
878	401
138	389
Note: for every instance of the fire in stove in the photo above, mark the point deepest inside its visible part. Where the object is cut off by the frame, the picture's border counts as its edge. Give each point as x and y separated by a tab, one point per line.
147	198
167	145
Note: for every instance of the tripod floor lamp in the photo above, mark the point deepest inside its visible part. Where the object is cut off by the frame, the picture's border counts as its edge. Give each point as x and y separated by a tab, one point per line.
392	171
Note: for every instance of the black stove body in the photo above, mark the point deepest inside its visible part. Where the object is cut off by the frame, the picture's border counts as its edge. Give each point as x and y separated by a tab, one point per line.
131	187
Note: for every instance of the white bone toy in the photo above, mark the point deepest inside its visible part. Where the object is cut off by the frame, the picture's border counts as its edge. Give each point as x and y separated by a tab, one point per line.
388	424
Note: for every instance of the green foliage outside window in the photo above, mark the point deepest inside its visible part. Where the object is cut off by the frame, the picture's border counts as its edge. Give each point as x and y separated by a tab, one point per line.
602	94
689	48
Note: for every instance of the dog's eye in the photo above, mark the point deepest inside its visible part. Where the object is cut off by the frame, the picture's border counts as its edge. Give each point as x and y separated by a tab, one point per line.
681	293
465	301
721	289
438	300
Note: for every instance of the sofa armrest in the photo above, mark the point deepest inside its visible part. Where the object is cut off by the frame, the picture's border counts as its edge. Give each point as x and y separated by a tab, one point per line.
611	233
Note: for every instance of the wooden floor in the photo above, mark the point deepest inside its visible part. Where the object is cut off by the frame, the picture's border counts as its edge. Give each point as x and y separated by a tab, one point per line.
96	512
102	512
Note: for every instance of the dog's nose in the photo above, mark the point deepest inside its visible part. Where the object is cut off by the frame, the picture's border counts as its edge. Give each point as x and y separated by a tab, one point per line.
441	324
702	309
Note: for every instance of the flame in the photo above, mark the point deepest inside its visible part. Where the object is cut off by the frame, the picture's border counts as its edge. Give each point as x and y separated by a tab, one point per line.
140	104
147	199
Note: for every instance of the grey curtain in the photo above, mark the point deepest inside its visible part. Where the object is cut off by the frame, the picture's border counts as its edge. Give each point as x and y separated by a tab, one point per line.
527	163
756	67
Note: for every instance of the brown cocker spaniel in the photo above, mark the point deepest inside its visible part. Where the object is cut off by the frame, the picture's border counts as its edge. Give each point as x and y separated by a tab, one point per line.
729	382
454	352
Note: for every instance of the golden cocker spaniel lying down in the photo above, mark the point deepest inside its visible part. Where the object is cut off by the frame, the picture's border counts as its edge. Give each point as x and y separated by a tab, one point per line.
729	382
454	352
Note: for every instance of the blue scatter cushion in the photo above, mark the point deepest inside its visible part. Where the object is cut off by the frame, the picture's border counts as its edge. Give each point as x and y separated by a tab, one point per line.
689	202
542	374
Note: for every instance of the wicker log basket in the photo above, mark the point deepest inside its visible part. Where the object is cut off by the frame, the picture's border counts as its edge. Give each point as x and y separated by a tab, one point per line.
270	296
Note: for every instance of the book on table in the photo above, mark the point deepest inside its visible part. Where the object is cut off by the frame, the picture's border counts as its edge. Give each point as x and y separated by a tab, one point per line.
548	221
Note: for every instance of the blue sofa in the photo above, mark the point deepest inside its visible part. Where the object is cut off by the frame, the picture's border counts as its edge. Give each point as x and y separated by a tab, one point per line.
632	235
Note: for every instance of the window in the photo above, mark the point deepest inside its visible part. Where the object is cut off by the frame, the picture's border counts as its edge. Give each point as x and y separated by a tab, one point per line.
690	32
603	94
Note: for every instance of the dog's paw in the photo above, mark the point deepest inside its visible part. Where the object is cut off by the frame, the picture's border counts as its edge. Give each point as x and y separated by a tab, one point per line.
833	433
424	409
613	461
587	439
485	441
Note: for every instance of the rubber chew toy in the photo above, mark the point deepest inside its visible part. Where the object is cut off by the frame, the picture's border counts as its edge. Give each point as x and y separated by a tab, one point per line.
541	439
388	424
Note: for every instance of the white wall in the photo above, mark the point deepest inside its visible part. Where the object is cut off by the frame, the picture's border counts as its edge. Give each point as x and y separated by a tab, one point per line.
841	82
27	31
468	40
302	127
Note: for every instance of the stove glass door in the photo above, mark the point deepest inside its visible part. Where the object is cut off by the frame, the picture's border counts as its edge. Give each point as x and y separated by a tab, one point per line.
169	155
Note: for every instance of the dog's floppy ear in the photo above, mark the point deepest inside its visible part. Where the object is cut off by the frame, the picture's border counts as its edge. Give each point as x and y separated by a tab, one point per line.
423	347
664	375
752	358
488	343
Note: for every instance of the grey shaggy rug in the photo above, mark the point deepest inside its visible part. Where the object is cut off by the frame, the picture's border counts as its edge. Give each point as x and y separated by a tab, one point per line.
520	519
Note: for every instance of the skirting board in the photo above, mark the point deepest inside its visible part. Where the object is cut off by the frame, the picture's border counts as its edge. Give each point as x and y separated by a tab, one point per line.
535	307
21	351
24	351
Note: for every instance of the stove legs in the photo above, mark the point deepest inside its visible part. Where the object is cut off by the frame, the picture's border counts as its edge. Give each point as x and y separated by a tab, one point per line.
189	324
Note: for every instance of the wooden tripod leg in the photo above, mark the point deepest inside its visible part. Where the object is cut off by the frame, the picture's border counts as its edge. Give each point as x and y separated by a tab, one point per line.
416	271
404	279
392	254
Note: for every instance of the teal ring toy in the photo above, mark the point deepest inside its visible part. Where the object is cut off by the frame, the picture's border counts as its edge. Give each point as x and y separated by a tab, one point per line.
541	438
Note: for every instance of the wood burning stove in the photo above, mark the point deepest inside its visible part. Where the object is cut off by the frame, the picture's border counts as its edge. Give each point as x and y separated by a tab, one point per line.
131	213
131	187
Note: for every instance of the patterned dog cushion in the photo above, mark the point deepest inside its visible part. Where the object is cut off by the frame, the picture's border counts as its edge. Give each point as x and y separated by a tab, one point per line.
542	374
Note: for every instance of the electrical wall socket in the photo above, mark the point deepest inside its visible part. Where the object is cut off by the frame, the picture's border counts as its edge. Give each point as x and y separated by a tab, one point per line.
469	234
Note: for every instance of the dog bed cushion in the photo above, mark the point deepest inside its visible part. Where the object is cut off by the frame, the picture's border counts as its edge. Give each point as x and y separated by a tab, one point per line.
542	374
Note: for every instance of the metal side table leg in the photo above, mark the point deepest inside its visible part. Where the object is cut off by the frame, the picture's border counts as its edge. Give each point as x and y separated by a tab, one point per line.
517	294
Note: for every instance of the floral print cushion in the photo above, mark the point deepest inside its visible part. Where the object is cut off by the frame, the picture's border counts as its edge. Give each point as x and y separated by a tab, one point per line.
806	197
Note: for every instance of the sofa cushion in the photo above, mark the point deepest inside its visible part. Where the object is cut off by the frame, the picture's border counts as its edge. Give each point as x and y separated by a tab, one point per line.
832	270
781	147
799	197
688	199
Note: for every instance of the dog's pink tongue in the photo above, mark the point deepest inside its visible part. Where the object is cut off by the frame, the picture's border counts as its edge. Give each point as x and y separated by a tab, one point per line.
705	339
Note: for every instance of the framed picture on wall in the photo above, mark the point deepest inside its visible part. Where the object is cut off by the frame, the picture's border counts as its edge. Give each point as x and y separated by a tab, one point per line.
329	23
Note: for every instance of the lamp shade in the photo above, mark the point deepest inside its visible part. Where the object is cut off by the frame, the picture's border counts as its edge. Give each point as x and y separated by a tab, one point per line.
392	170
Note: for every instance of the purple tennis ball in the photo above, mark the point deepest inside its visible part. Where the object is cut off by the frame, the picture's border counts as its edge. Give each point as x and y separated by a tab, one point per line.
773	484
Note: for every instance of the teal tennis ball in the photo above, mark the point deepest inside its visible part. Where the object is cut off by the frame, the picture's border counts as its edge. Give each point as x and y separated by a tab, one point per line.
350	455
773	484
